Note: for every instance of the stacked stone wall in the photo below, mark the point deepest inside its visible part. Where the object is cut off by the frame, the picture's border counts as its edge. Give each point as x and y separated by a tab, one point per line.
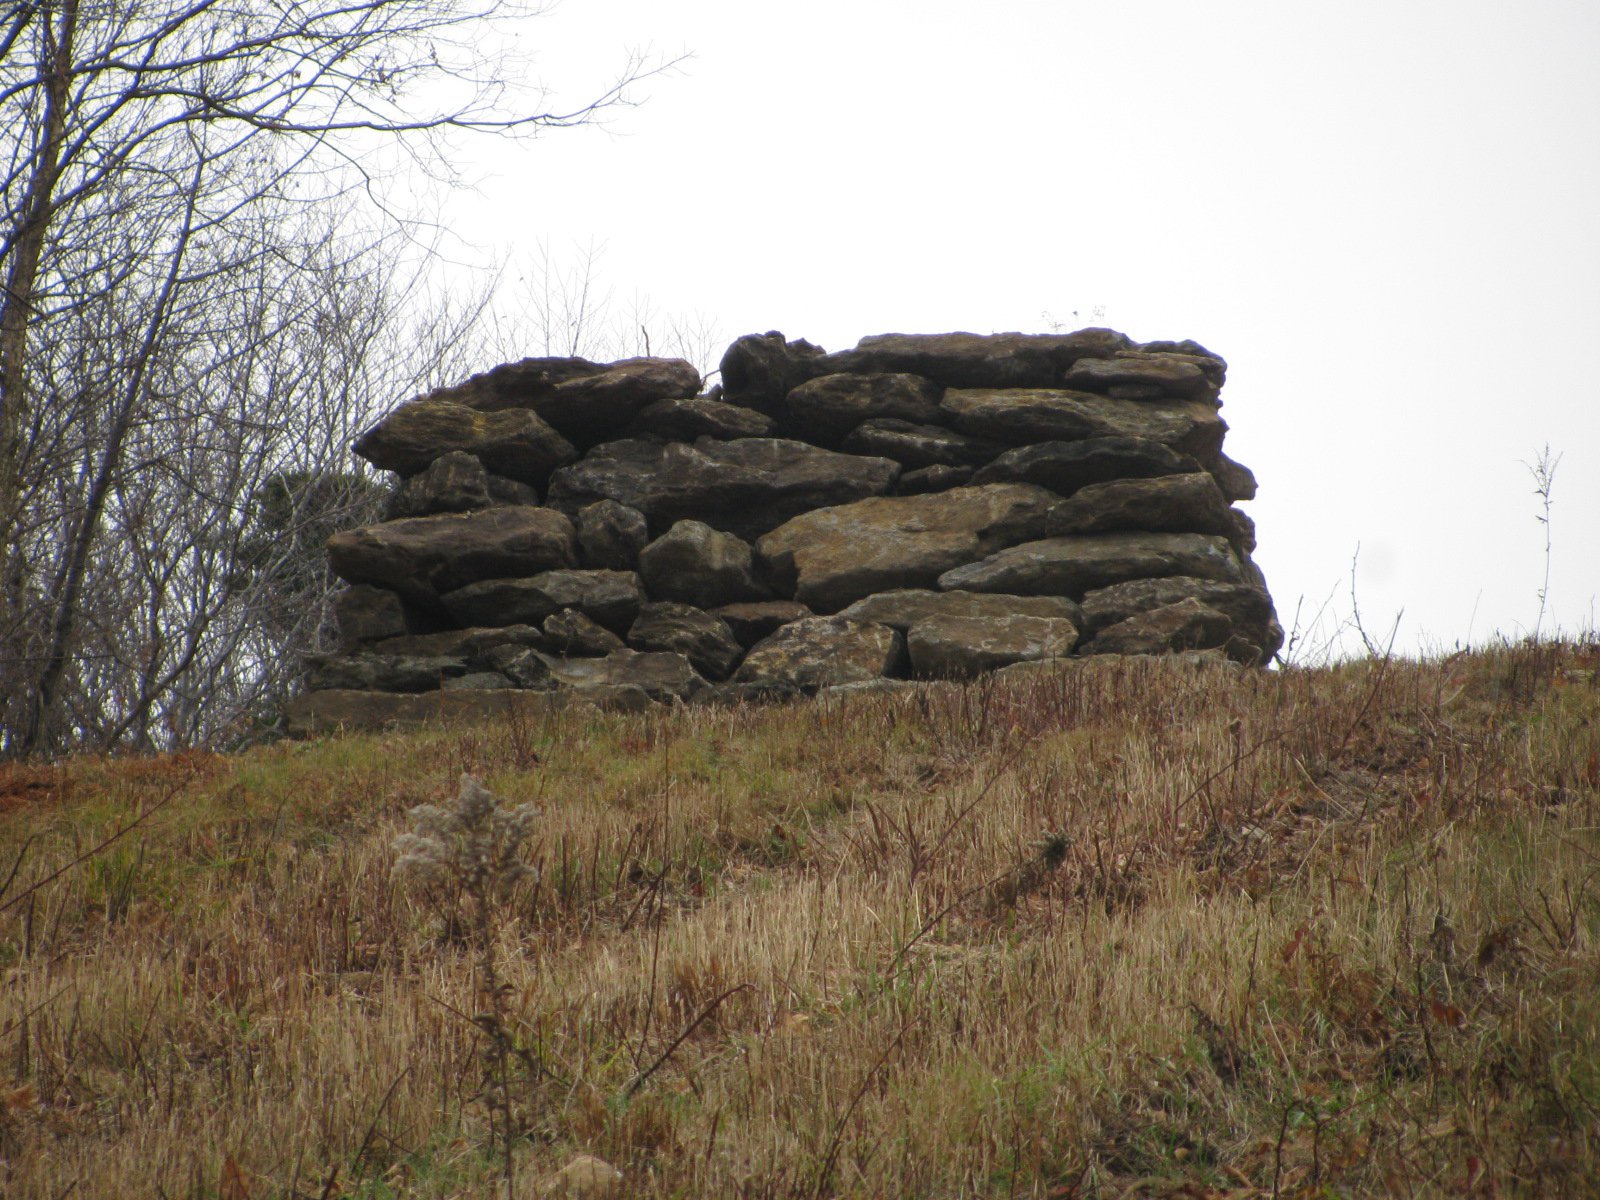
922	506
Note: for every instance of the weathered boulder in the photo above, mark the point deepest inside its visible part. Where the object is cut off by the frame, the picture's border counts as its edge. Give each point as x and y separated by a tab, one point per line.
1189	503
453	482
913	445
610	598
585	402
1186	625
475	681
1072	566
820	652
932	479
368	614
1245	604
369	671
1065	467
1004	360
684	420
832	556
906	607
755	620
705	640
947	646
1143	375
661	675
523	666
570	632
1235	479
610	535
1024	416
826	408
515	444
696	564
424	557
759	371
745	487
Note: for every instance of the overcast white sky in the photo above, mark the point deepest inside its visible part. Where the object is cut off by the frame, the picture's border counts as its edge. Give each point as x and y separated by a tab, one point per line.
1386	216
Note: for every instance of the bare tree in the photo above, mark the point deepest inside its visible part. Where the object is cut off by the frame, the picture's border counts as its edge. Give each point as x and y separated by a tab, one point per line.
189	313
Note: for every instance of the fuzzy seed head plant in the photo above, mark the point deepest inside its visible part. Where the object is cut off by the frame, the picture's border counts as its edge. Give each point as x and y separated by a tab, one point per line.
475	839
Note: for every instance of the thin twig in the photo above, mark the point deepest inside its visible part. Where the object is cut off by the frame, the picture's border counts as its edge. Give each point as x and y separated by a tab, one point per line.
639	1080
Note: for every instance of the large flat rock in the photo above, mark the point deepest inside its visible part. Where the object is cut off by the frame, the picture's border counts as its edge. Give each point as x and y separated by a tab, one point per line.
662	675
423	557
1191	503
1023	416
1065	467
1072	566
947	646
906	607
610	598
822	652
1247	605
826	408
744	487
1005	360
517	445
828	558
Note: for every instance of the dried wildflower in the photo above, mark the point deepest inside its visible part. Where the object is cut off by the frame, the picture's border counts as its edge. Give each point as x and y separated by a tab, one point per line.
474	839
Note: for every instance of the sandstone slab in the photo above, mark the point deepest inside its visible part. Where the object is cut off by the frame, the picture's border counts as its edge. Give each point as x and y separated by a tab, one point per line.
910	606
947	646
1004	360
830	406
660	675
610	535
1246	605
920	446
424	557
1189	503
828	558
759	371
1145	375
453	482
756	620
684	420
1023	416
1186	625
610	598
922	480
515	444
572	633
1065	467
746	487
368	670
820	652
369	614
1072	566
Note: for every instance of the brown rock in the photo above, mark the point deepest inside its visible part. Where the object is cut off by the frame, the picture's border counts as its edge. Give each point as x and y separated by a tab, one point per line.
1004	360
589	409
423	557
570	632
745	487
1143	375
696	564
826	408
1071	566
932	479
610	536
820	652
1186	625
517	445
685	420
907	607
1026	416
705	640
756	620
368	670
1245	604
662	676
947	646
1065	467
610	598
760	370
832	556
1235	479
454	482
368	614
917	446
1189	503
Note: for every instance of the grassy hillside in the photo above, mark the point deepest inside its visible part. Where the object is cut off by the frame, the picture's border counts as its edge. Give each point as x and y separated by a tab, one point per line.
1129	928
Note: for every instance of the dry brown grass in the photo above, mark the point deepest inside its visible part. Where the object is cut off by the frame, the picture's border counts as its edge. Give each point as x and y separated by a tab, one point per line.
1124	928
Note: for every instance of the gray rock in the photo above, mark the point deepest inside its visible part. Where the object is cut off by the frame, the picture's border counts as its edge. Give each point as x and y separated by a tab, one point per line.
369	614
424	557
510	491
1167	504
686	420
756	620
1235	479
947	646
696	564
368	670
705	640
610	598
570	632
662	676
826	408
610	536
522	666
1072	566
907	607
1003	360
821	652
1065	467
1246	605
832	556
1186	625
914	446
1027	416
745	487
515	444
453	482
932	479
1143	375
516	384
476	681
